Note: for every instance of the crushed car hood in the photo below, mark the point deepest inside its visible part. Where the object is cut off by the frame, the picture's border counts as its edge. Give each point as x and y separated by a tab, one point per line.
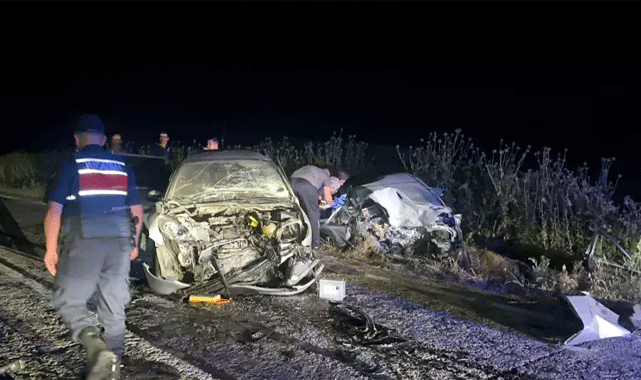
407	184
403	212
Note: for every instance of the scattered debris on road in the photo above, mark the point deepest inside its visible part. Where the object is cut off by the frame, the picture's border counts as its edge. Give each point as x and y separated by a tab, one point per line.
15	366
256	333
358	328
331	290
599	322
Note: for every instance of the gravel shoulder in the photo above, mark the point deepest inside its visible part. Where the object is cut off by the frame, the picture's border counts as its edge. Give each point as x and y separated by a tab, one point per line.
446	331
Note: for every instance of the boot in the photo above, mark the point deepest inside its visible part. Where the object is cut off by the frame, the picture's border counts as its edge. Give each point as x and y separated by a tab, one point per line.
102	364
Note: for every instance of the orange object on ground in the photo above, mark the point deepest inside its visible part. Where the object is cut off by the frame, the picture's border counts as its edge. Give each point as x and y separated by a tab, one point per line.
215	300
204	298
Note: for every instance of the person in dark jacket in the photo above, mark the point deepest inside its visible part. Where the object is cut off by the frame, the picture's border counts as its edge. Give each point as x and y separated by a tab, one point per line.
162	149
94	199
116	145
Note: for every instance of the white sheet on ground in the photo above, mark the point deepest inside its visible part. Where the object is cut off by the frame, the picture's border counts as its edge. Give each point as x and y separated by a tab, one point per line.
599	322
403	212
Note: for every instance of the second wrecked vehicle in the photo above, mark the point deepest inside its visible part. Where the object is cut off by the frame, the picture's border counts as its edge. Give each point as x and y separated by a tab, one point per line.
229	219
404	216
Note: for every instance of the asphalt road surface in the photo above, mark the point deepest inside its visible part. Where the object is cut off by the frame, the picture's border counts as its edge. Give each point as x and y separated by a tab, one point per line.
299	337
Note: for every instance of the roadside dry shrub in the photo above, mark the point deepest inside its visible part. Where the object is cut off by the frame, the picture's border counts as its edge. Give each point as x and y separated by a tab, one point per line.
570	282
560	280
447	268
547	206
541	270
332	153
18	170
616	283
550	206
498	268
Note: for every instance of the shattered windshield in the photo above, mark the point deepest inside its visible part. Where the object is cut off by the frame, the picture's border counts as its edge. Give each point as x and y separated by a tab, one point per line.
228	180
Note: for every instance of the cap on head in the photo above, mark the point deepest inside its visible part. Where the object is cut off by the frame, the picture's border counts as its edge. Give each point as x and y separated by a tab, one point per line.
90	124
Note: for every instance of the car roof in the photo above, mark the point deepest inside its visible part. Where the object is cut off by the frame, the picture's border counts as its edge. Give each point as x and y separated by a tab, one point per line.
404	182
391	180
222	155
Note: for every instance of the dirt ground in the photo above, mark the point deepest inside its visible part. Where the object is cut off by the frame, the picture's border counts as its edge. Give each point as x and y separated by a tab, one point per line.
438	329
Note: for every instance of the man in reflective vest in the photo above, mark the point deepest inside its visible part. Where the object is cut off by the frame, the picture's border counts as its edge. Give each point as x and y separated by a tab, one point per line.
95	208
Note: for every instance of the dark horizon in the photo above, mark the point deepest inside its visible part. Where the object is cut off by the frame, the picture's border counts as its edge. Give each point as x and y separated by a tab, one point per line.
379	71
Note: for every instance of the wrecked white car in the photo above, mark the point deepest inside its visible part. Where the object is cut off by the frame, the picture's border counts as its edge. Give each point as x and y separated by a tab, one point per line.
228	221
404	215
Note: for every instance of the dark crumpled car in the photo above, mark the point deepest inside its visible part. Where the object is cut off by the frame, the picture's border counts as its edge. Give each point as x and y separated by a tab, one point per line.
404	215
228	219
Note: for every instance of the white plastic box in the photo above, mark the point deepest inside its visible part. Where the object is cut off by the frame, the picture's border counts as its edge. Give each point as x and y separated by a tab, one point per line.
331	290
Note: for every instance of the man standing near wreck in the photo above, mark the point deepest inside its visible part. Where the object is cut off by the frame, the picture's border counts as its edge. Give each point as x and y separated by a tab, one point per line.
308	183
92	199
162	149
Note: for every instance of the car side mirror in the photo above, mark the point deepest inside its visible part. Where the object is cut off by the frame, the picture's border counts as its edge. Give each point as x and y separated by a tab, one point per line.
154	196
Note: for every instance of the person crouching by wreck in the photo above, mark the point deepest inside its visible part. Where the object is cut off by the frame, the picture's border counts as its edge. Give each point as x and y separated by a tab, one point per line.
308	183
335	183
94	199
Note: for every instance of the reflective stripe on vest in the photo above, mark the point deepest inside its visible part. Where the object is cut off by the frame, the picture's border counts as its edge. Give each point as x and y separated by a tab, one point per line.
101	177
102	191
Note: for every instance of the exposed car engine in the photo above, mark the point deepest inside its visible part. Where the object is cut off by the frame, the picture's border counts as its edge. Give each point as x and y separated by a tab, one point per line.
237	236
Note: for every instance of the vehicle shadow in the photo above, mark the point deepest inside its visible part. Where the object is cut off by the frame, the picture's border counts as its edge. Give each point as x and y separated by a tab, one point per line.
11	234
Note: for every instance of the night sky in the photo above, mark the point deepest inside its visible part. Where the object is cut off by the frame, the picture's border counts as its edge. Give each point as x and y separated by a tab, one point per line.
540	74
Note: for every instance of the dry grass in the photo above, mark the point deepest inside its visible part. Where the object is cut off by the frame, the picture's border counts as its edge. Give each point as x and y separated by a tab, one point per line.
616	283
448	269
496	267
18	170
34	192
567	282
490	267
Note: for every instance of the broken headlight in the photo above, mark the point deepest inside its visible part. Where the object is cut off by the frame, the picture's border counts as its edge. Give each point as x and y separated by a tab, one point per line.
173	229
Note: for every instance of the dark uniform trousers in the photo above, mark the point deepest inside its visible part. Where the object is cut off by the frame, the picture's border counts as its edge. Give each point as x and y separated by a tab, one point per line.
87	266
307	195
